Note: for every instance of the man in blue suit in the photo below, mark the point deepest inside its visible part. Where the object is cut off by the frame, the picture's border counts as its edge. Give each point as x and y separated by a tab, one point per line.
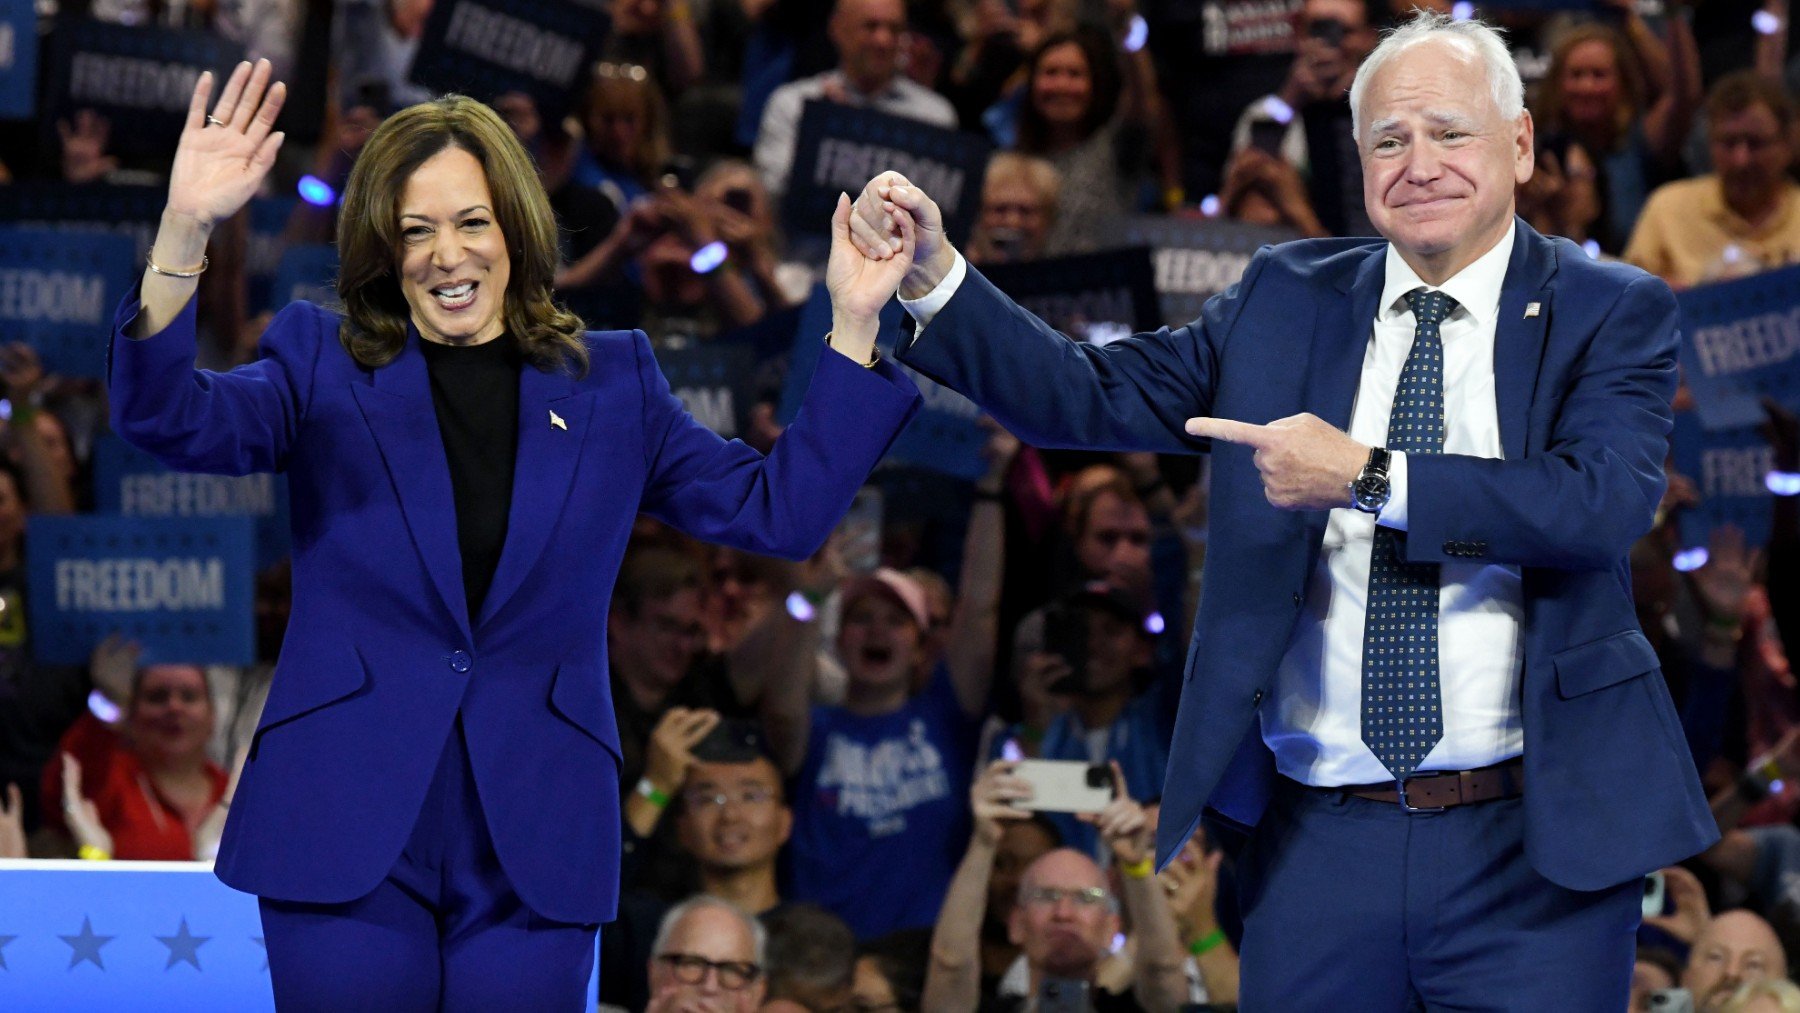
1416	687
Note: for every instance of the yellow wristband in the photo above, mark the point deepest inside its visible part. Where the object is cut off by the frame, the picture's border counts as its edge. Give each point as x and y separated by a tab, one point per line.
88	852
1140	869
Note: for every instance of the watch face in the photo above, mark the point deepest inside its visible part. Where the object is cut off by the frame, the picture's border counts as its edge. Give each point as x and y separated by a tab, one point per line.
1371	492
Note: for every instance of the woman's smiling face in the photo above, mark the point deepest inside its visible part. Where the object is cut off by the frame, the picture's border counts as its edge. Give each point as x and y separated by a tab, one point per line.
454	265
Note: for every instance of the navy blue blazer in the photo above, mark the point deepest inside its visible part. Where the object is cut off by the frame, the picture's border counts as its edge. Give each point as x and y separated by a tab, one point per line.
1583	388
380	655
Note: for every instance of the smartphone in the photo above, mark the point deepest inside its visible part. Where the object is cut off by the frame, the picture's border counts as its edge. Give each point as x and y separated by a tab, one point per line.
1066	786
861	544
1266	136
1063	995
1655	894
1670	1000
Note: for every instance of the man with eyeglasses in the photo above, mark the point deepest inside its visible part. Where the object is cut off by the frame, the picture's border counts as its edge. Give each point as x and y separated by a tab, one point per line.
708	959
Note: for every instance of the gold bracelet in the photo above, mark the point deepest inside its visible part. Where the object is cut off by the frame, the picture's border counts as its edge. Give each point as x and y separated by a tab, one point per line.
874	354
165	272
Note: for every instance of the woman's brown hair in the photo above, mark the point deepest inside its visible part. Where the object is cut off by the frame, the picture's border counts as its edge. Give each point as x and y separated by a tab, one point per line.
375	309
1625	64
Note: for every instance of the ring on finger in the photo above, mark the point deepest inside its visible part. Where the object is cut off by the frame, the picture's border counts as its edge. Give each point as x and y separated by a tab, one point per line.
214	121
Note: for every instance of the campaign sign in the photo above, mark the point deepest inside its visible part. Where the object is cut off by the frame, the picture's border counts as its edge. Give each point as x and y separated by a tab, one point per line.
1195	258
1728	466
714	380
1740	342
839	148
58	292
1093	297
180	587
149	937
131	211
141	79
262	255
540	47
944	436
18	58
131	483
307	271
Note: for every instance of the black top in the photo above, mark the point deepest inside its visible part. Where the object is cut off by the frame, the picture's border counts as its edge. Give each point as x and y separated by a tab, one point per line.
475	389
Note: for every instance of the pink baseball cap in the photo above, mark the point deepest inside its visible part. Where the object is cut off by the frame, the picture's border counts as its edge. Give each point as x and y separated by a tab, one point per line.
895	585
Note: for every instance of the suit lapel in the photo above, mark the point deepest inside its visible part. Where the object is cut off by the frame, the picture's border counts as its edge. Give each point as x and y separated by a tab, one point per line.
1519	335
553	425
1334	367
397	406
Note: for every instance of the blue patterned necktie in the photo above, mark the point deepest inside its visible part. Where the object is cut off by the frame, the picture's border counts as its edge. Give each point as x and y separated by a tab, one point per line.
1402	714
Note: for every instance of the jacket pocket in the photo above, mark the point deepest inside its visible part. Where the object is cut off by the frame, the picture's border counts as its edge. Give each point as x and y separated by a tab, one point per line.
1598	664
309	679
582	695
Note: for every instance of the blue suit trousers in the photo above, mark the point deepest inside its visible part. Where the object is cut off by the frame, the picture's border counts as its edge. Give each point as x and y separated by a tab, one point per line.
1356	905
444	931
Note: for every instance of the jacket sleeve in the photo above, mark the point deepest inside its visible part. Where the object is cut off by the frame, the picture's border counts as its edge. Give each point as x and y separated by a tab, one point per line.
230	423
1593	490
784	504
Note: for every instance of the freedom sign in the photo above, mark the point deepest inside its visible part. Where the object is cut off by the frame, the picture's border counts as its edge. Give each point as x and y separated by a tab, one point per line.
131	483
58	292
485	49
839	148
1741	342
141	79
182	588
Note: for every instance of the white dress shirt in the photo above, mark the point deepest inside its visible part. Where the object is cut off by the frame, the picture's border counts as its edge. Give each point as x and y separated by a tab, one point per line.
1313	720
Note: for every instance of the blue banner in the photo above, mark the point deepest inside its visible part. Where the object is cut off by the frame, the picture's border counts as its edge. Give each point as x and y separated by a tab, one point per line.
1741	341
264	250
131	483
540	47
839	148
181	588
1195	258
309	272
141	79
1728	466
714	380
18	59
1094	297
943	437
130	211
58	292
149	937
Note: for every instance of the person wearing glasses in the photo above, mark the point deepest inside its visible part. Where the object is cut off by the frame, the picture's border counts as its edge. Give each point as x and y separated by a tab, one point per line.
708	959
1066	916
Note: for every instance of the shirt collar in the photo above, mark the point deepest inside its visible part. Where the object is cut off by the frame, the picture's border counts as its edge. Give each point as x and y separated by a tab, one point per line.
1475	288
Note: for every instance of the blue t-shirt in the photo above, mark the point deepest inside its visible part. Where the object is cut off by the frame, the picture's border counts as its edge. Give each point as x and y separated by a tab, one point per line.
881	810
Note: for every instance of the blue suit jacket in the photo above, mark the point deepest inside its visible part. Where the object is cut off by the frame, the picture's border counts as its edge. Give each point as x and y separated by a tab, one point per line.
1582	388
380	656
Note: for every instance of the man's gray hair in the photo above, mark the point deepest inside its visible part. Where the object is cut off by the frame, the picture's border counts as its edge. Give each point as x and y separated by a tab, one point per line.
759	936
1475	38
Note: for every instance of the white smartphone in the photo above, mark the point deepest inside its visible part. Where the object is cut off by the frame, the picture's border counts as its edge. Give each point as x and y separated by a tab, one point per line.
1065	786
1655	892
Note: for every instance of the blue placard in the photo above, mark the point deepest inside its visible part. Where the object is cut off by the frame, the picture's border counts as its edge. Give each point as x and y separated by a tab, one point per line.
1728	467
839	148
58	292
1740	342
131	483
1097	297
1195	258
130	211
486	48
265	247
141	79
945	436
181	588
309	272
148	937
714	380
18	58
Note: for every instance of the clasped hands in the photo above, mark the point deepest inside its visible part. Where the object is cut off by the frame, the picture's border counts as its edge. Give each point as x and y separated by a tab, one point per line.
1306	463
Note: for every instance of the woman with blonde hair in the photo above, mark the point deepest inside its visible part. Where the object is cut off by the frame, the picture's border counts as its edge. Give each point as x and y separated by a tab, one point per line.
1771	995
429	811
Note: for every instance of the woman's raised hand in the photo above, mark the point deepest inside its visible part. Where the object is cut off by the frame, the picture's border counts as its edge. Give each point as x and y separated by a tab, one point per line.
224	155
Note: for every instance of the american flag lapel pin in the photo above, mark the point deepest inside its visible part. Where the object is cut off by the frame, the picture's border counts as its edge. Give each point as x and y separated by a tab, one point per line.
556	421
1532	308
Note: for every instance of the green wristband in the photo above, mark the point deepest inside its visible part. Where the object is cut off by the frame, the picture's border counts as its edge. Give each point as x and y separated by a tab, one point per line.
657	797
1205	944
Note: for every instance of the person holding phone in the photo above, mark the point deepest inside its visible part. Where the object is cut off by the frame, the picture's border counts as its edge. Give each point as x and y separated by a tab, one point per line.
429	810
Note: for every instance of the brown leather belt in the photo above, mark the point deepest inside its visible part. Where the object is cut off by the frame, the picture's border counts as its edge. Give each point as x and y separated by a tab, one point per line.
1434	790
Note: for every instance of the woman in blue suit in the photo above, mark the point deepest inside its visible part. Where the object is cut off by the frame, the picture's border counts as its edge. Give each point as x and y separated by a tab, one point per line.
429	810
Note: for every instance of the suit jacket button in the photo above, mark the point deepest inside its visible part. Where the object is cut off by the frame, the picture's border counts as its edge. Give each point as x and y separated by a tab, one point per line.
459	662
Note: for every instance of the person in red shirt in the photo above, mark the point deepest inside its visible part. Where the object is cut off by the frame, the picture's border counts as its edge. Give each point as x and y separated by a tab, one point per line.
144	789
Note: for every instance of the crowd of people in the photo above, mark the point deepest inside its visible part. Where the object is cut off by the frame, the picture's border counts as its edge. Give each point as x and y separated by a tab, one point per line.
818	760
